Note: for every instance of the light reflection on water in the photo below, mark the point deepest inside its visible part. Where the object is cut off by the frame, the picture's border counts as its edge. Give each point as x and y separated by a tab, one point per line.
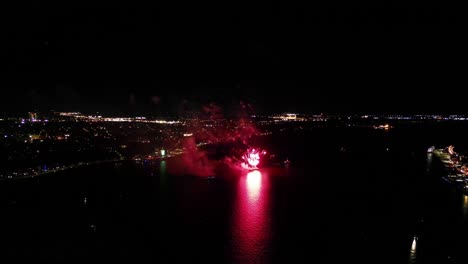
429	162
163	181
465	207
254	183
162	166
251	219
412	258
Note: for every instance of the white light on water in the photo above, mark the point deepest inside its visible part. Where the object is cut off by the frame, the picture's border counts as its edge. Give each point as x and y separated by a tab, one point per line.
254	183
412	257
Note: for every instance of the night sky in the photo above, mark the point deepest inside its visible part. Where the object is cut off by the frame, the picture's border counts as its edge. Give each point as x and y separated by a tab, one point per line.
376	56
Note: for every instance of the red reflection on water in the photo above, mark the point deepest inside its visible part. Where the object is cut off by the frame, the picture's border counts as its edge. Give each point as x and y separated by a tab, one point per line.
254	183
251	225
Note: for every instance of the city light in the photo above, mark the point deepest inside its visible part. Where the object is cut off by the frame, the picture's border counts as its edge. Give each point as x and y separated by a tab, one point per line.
450	150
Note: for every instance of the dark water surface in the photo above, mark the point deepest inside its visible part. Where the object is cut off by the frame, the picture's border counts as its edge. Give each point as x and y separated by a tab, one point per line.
350	196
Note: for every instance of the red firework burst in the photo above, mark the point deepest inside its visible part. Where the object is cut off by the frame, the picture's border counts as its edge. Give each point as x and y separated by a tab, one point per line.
252	158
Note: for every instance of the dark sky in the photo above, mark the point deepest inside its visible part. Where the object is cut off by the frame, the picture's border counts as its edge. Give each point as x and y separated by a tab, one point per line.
350	56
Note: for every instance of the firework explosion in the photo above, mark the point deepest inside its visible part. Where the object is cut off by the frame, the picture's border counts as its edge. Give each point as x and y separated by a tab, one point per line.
228	143
251	158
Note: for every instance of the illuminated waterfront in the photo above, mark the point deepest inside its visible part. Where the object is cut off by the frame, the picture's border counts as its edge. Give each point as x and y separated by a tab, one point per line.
334	199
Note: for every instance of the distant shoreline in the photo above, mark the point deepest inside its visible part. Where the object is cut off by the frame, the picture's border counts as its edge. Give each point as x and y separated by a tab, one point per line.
70	167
